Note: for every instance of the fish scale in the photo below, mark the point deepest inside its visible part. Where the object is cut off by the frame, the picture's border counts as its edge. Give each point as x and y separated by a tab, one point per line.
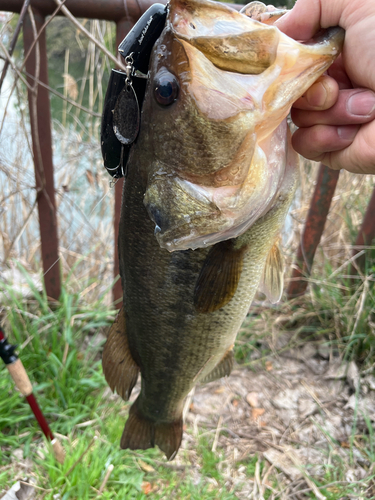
216	192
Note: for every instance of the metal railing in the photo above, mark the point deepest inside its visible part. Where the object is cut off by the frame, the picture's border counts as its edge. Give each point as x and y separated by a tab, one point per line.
125	14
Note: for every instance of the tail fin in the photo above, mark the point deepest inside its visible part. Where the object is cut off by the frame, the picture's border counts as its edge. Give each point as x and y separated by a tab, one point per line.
141	433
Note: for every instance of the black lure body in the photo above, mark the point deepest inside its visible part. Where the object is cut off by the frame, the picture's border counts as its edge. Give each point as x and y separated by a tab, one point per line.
126	91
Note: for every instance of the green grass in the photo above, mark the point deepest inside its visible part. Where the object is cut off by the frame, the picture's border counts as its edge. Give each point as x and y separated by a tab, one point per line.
69	385
70	388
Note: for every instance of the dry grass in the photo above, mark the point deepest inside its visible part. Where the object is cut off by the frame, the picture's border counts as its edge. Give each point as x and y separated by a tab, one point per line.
83	194
228	450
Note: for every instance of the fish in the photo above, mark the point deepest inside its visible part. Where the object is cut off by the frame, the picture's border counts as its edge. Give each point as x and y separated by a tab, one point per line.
210	181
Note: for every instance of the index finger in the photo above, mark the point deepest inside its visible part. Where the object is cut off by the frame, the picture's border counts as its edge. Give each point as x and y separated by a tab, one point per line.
322	95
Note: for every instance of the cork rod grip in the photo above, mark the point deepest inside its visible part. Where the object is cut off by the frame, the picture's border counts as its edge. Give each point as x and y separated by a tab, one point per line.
19	375
58	450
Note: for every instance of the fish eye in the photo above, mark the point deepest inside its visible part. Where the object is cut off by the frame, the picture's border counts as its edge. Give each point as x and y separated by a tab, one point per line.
165	87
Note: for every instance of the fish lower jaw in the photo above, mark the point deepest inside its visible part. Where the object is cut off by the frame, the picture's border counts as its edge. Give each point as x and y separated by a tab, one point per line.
188	238
188	242
200	216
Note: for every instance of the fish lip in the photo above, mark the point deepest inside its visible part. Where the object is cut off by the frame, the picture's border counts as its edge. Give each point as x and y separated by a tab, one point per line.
326	36
207	225
166	199
183	236
162	222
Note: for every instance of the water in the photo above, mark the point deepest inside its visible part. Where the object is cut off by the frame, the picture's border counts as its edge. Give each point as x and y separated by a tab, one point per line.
83	197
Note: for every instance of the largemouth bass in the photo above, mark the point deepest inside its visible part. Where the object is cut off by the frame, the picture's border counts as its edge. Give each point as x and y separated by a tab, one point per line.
210	178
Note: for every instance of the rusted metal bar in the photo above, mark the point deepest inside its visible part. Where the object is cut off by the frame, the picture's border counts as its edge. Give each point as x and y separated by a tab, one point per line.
314	226
111	10
40	117
366	234
122	29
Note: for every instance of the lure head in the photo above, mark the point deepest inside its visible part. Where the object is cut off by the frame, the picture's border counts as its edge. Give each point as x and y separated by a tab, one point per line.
210	149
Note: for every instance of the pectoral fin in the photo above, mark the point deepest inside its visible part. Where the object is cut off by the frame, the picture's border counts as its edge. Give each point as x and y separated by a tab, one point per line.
273	275
218	280
222	369
120	370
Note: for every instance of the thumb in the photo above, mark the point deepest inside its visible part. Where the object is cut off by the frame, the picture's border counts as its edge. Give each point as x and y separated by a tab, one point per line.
309	16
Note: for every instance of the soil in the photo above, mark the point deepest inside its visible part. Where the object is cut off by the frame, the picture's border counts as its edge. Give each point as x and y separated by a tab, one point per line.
302	413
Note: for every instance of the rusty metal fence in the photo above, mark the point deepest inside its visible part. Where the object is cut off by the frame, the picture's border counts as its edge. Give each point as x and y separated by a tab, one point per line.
125	14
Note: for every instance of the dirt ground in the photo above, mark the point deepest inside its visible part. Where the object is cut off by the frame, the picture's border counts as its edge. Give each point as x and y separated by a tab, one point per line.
305	412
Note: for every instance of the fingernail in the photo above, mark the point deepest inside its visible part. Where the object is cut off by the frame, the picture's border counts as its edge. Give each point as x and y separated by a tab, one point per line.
347	132
282	18
361	104
316	96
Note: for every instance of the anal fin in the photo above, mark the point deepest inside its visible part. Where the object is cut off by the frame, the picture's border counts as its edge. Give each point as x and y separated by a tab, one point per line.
141	433
222	369
273	275
119	367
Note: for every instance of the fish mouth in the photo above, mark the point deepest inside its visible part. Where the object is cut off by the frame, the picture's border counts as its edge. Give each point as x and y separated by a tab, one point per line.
189	215
206	218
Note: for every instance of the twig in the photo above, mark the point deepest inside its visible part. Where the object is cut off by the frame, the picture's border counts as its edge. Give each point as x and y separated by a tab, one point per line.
35	486
65	355
168	465
46	23
106	477
308	479
349	261
265	479
82	455
70	16
14	67
187	403
361	306
315	398
257	482
14	40
71	243
216	438
330	485
9	249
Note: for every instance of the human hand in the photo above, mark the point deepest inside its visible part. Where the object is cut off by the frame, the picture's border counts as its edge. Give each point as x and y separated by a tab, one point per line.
336	115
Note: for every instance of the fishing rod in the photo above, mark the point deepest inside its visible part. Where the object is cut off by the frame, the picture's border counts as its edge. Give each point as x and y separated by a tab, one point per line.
23	384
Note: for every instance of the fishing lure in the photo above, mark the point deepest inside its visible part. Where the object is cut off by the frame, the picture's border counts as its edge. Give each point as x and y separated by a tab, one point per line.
126	90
